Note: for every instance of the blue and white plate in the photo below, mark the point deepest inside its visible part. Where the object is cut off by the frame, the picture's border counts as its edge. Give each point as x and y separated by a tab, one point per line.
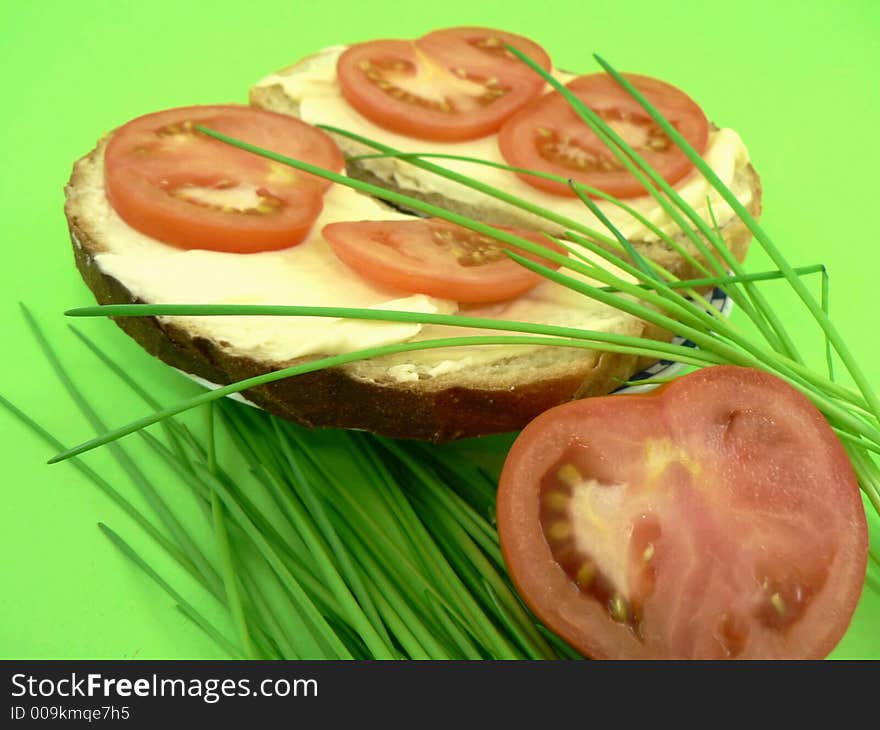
667	368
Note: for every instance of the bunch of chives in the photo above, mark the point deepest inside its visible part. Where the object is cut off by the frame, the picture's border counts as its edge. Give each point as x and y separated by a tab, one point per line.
328	545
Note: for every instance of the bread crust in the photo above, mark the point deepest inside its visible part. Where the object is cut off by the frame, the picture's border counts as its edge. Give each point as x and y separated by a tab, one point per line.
355	396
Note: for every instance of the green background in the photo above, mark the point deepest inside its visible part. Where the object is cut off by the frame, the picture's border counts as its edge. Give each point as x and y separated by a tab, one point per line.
796	79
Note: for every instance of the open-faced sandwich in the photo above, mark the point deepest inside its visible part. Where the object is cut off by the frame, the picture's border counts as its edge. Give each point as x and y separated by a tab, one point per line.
161	213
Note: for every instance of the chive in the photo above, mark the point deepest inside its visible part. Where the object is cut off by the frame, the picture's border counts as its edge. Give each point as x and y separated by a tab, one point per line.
317	636
174	431
723	281
825	294
464	478
868	472
474	570
447	621
432	496
205	573
410	554
511	625
623	240
268	618
565	651
406	584
497	193
366	614
202	622
401	612
325	545
397	625
663	287
636	165
795	373
327	362
390	315
761	236
230	581
208	630
294	548
102	484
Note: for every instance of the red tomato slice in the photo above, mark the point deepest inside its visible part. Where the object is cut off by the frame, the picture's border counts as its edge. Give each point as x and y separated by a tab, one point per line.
189	190
448	86
716	517
547	135
434	257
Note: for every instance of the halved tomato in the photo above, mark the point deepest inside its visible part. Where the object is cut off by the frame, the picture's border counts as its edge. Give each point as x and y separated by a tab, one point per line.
548	135
180	186
434	257
717	517
450	85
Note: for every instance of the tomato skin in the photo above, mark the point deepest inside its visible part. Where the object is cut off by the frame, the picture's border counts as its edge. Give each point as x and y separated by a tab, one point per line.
425	257
761	556
157	168
474	47
547	135
439	87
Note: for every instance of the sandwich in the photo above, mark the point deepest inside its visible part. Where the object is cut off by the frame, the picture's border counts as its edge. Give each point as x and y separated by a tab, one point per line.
159	212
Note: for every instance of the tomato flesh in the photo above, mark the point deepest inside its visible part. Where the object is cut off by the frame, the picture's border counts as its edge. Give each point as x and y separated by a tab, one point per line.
450	85
717	517
177	185
547	135
437	258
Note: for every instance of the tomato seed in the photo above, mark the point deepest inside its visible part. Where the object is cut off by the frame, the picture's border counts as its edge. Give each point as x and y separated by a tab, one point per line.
778	603
585	575
559	531
569	475
618	608
557	501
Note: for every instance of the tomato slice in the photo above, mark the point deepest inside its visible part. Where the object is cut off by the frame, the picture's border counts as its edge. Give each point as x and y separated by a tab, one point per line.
716	517
547	135
450	85
483	48
182	187
434	257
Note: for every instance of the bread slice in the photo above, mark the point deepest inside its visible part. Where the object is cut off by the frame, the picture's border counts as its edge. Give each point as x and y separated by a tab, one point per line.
309	90
441	395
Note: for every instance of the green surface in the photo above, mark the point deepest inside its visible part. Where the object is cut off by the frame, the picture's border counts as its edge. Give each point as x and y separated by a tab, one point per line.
796	79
